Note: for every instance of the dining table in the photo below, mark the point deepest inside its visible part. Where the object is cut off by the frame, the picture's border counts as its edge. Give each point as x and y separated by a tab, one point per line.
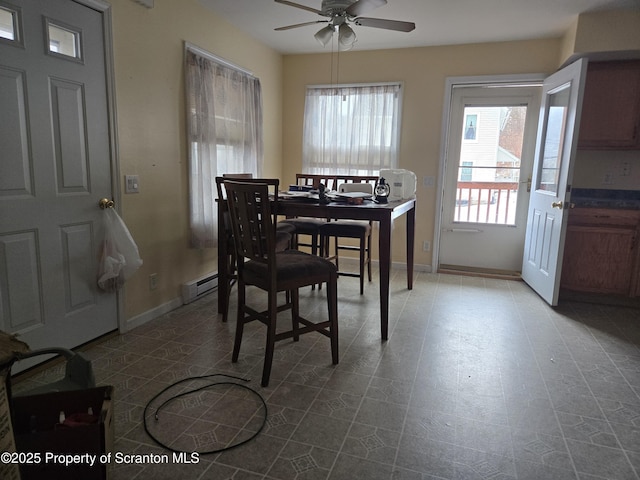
383	213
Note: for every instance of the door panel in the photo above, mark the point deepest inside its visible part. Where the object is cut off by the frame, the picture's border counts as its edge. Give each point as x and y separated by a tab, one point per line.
56	165
489	159
16	178
20	283
69	136
552	172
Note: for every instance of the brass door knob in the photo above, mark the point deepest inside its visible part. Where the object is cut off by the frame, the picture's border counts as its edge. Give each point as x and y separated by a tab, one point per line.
105	203
557	205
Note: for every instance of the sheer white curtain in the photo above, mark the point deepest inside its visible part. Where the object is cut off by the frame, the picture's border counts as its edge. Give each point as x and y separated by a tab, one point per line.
224	128
351	129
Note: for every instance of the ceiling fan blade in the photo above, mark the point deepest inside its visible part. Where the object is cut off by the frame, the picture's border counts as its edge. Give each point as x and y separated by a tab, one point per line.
386	24
289	27
364	6
297	5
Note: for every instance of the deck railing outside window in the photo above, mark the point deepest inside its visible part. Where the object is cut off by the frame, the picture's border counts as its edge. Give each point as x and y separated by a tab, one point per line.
486	202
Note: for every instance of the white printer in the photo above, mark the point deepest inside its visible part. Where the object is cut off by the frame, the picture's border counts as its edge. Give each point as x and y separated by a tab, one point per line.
402	183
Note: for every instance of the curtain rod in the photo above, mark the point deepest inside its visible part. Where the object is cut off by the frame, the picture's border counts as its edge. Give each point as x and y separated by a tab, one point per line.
340	85
210	56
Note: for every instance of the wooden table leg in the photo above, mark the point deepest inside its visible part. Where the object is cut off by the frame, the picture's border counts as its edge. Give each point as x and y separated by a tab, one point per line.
384	249
411	240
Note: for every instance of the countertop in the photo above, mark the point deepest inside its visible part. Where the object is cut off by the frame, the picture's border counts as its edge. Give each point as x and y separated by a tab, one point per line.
605	198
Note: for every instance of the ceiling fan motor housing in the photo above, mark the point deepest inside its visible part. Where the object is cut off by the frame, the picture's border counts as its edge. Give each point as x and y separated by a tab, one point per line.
335	7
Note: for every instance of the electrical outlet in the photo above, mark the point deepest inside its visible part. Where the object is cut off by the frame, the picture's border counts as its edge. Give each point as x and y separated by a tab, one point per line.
426	246
153	281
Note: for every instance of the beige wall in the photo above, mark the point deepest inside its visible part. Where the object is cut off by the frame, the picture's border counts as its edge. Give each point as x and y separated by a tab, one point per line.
148	54
607	32
602	36
423	72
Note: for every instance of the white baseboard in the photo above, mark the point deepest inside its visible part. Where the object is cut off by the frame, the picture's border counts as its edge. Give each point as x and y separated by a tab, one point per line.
149	315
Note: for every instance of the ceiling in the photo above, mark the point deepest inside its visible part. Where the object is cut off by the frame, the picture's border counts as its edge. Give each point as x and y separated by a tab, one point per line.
438	22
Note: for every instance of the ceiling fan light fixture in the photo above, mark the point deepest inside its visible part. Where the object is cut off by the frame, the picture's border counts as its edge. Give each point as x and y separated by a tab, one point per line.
324	35
346	36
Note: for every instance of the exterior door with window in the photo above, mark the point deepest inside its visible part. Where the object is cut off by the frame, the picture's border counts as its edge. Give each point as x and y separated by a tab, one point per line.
55	166
491	143
555	150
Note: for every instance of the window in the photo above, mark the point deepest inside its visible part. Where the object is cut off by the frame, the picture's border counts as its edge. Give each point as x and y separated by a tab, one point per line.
351	129
224	128
466	171
471	127
10	24
63	40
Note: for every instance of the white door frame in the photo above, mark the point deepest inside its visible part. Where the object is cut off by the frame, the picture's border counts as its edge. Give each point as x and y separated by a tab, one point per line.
105	9
444	141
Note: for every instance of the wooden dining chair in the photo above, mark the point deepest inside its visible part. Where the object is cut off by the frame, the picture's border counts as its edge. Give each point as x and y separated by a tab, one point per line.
252	217
356	229
309	226
284	234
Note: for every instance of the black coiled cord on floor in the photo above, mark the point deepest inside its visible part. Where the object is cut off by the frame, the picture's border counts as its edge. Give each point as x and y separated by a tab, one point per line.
195	390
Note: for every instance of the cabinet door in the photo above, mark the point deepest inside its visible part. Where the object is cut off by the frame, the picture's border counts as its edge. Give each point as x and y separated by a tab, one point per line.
611	107
598	259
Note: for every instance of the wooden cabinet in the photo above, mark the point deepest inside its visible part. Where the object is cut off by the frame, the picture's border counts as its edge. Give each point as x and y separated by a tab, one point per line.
601	253
611	106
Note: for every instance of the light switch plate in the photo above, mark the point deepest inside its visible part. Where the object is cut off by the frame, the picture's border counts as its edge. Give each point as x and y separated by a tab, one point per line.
429	181
131	184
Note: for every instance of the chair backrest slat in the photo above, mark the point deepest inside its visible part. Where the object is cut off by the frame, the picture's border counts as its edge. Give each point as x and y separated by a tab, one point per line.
237	176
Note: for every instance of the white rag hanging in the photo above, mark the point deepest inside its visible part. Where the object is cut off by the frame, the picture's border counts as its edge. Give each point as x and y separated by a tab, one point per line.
120	257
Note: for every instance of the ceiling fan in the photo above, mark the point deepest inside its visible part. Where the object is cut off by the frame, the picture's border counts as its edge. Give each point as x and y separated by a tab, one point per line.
340	14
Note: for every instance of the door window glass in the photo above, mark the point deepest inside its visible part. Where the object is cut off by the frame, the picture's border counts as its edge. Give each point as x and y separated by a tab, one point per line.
489	166
63	40
10	24
554	126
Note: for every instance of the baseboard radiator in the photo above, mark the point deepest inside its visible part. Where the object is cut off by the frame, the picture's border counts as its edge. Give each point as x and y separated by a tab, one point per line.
195	289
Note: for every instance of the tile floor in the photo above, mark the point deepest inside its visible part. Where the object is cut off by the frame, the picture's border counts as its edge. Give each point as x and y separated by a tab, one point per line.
479	379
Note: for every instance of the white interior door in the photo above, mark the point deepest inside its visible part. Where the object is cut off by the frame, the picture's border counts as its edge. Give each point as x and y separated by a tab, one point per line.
56	165
552	173
492	134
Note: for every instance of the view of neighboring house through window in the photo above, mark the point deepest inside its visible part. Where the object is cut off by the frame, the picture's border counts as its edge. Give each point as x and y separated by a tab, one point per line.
224	128
489	169
351	129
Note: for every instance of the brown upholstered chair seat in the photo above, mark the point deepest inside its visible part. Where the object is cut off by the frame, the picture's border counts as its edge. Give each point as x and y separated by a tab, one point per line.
290	264
346	228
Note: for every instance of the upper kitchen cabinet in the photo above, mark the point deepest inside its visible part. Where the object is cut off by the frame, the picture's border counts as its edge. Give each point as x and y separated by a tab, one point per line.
611	107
